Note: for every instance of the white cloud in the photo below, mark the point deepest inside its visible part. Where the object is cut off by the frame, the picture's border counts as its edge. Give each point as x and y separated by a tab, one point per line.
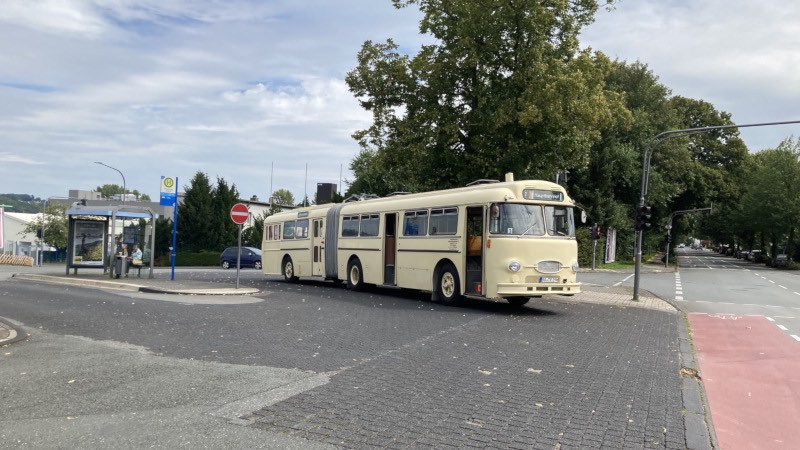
18	159
57	16
233	87
740	55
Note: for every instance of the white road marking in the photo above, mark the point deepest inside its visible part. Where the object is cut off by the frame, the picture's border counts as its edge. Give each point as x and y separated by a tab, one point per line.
796	337
626	279
783	328
782	287
796	293
771	281
678	292
678	297
770	319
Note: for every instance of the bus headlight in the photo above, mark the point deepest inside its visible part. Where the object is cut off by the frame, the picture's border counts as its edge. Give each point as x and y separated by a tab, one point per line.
514	266
575	267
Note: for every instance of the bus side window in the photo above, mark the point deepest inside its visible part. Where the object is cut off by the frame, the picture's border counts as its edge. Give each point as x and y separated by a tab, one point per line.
269	233
369	225
288	230
415	223
444	221
350	226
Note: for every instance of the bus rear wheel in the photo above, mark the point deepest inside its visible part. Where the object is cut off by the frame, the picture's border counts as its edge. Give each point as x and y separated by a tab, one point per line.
355	275
448	288
288	270
518	301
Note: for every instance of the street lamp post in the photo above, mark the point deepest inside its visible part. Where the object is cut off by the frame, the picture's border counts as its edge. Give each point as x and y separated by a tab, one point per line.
124	187
648	152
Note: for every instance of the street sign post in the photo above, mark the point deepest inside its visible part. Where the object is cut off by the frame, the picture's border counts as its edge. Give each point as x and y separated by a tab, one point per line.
239	215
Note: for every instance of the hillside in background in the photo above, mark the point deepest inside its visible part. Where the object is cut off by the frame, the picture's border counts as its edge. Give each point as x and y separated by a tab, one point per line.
21	203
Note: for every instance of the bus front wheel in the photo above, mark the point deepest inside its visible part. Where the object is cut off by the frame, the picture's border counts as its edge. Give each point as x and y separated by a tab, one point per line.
355	275
288	270
448	288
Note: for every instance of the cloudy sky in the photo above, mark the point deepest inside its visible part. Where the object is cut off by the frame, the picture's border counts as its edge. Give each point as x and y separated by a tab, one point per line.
235	87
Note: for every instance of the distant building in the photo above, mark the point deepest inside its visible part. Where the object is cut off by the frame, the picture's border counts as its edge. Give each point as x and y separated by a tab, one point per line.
15	240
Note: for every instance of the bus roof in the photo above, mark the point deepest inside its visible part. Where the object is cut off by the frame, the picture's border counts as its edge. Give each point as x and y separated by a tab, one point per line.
477	194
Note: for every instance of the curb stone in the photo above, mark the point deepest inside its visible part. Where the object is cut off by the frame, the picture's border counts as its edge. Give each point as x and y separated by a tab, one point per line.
10	333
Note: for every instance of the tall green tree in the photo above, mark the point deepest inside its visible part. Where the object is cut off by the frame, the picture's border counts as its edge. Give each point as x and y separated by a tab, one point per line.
196	215
770	206
226	232
505	87
609	185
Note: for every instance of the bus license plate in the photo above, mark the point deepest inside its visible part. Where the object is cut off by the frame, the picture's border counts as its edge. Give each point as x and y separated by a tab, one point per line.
548	279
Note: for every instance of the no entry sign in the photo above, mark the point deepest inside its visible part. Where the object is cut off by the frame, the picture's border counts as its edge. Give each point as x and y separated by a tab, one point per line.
239	213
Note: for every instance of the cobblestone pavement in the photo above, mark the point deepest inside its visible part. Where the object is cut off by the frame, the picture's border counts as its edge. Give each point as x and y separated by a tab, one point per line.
589	371
596	376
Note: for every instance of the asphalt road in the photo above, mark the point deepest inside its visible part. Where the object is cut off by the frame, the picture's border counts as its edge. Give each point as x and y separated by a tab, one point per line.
707	282
717	284
309	364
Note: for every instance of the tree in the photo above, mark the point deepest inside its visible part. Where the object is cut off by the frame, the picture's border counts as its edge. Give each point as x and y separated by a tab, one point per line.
55	225
608	186
770	205
224	229
499	92
163	240
252	235
195	214
111	190
282	197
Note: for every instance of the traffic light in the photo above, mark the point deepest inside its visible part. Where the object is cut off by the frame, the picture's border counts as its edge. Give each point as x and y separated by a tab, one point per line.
597	232
642	218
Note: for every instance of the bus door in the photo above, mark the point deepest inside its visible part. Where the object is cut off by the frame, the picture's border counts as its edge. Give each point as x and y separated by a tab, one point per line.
390	249
474	250
318	248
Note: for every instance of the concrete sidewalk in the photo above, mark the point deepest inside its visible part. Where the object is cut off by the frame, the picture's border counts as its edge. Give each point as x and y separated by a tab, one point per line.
161	283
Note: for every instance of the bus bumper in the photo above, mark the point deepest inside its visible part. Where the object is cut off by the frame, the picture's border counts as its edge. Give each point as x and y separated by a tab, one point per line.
536	289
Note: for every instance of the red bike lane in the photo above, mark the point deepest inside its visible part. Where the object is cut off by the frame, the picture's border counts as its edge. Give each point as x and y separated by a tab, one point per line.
751	375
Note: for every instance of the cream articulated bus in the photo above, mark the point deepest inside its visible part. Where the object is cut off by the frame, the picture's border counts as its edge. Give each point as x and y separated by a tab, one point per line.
513	240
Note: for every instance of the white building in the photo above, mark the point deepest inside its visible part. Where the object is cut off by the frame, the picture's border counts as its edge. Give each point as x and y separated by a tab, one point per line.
15	240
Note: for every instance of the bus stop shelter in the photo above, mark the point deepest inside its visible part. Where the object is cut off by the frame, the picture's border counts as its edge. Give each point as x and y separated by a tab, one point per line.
93	242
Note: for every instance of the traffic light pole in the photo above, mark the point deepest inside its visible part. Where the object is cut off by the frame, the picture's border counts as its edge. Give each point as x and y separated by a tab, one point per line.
648	151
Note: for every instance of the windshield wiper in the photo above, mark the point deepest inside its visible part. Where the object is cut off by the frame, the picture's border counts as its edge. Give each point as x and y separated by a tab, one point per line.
526	230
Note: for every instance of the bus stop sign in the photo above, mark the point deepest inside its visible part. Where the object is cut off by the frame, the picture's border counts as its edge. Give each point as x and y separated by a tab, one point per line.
239	213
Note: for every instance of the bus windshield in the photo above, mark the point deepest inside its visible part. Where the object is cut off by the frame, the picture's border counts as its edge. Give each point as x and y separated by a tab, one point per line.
560	221
525	219
517	219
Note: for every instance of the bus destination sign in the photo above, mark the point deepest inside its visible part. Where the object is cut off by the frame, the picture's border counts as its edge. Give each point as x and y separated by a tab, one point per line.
539	194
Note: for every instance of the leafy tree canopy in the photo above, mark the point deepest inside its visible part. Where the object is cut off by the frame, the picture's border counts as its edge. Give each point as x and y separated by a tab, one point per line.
55	225
283	197
111	190
508	90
